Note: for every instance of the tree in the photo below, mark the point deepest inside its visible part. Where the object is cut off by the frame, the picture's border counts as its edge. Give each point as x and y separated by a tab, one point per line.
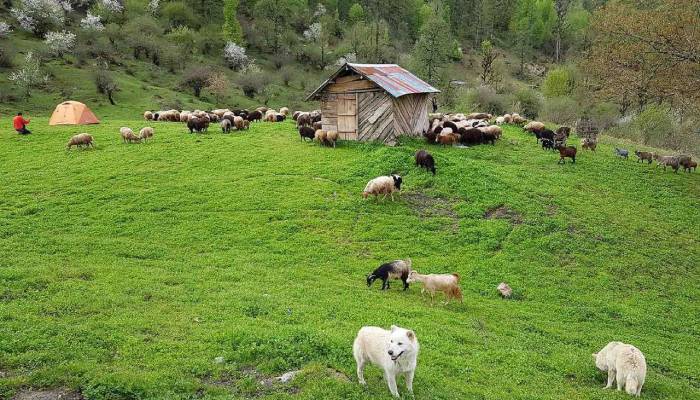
646	53
39	16
5	29
356	14
60	43
29	75
558	82
235	56
196	78
105	84
219	86
431	53
273	20
532	26
561	7
232	28
488	59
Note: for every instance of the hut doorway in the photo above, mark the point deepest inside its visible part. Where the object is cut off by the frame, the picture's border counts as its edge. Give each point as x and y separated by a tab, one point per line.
347	116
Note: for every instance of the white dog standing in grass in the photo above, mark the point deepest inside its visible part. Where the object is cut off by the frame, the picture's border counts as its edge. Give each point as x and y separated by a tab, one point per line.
394	351
624	364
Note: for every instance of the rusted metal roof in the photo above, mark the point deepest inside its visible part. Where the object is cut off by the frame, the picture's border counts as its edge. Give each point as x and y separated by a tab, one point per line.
390	77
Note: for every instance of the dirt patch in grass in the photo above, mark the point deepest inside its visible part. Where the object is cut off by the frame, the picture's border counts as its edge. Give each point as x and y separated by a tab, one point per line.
503	212
429	207
48	394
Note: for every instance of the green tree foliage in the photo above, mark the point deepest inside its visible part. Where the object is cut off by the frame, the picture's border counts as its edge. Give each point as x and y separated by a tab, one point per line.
532	25
431	54
558	82
232	28
356	14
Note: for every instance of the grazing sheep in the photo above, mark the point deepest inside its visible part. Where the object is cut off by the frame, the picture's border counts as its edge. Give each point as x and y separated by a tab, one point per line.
450	125
425	160
246	124
148	116
504	290
304	119
254	116
315	115
320	136
185	116
80	140
331	138
534	127
667	161
683	159
495	130
517	119
307	132
500	120
295	116
284	111
644	156
225	126
590	144
317	126
262	110
507	118
239	123
446	283
197	124
568	151
470	136
128	135
397	269
385	185
479	116
146	133
447	137
690	165
280	117
622	153
220	112
430	136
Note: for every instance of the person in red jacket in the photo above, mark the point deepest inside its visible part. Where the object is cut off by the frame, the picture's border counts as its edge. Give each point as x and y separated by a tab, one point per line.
21	124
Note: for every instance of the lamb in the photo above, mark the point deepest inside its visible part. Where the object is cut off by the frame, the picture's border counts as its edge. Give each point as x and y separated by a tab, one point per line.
588	143
568	151
534	127
307	132
425	160
80	140
668	161
547	144
447	137
397	269
504	290
225	126
146	133
320	136
446	283
148	116
385	185
284	111
500	120
622	153
625	365
644	156
128	135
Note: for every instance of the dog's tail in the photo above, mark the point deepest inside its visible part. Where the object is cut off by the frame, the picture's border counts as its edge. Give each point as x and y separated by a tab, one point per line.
631	385
456	276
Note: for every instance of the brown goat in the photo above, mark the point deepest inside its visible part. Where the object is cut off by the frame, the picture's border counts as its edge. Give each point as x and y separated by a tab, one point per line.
667	161
644	156
690	165
589	144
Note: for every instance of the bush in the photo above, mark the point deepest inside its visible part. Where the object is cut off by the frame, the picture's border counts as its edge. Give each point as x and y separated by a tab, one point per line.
604	115
558	82
179	14
528	103
561	110
252	81
485	99
654	124
6	52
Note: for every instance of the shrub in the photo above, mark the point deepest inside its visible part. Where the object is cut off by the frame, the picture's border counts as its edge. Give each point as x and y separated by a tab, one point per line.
654	124
235	56
561	110
604	115
6	52
485	99
5	29
29	75
184	37
39	16
105	84
529	102
60	43
178	13
251	81
196	78
558	82
92	23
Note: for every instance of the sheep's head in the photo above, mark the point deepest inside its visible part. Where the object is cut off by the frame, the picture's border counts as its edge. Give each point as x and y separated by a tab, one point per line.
397	181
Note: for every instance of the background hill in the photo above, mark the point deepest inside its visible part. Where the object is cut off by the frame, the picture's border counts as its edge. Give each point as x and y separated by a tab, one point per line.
555	60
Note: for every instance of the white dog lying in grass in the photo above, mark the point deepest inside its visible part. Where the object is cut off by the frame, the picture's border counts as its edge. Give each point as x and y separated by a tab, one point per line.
624	364
394	351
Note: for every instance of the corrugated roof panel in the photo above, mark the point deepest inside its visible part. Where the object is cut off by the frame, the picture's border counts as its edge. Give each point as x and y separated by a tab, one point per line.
390	77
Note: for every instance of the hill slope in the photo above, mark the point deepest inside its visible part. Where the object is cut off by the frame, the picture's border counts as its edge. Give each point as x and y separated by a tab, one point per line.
128	269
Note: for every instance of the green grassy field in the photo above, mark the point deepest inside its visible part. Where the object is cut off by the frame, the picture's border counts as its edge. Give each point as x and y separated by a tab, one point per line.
128	269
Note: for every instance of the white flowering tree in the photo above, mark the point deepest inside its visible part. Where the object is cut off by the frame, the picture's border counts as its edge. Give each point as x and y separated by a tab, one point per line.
39	16
92	22
235	56
60	43
5	29
114	6
29	75
153	6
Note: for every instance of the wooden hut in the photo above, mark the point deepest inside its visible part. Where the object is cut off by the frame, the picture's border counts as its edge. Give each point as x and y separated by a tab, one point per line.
374	102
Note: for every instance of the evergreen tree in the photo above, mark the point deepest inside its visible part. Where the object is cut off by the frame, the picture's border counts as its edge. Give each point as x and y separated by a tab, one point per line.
232	28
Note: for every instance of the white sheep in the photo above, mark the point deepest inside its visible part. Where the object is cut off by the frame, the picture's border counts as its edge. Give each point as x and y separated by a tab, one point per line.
146	133
385	185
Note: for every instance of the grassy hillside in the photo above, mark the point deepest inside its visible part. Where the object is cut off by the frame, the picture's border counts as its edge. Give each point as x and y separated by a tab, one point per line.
128	269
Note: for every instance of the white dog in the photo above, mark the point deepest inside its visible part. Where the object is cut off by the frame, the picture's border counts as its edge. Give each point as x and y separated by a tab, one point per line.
624	364
395	351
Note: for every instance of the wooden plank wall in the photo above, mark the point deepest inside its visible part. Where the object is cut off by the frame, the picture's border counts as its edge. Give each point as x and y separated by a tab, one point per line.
411	114
350	83
329	112
375	116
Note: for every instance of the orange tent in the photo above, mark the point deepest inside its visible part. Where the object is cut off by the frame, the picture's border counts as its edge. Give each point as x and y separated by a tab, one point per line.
72	113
